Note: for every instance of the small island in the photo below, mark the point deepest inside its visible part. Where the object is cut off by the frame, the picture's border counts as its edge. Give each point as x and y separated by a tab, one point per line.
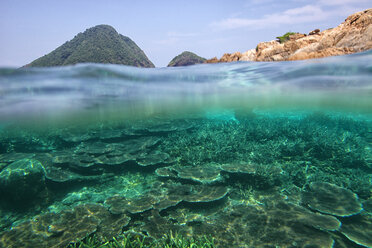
186	58
99	44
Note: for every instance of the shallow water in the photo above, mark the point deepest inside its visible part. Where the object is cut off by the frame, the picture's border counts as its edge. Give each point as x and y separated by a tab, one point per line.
251	154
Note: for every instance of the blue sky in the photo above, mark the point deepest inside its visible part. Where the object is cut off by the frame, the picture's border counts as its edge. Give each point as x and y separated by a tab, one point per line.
163	29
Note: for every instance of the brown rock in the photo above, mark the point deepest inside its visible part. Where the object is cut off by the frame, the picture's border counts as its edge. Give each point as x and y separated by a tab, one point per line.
333	51
227	57
212	60
235	56
315	31
269	51
249	55
296	36
353	35
230	57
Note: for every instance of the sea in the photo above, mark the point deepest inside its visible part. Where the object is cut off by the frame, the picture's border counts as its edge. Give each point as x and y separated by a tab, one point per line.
243	154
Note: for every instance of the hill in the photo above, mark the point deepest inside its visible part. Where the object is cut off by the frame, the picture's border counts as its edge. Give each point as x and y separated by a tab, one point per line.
99	44
186	58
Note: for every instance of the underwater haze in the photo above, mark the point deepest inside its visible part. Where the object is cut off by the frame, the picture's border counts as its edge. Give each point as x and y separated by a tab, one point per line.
248	154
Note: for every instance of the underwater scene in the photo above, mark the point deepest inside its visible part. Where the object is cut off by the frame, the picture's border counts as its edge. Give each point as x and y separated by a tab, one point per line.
224	155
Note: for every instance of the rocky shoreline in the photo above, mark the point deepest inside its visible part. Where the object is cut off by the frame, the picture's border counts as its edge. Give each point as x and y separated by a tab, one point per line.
352	36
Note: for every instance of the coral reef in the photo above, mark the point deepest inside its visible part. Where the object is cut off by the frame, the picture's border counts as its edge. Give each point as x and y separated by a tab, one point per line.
257	180
331	199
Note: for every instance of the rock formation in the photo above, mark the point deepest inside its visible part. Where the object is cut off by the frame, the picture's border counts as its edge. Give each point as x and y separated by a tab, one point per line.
22	182
351	36
186	58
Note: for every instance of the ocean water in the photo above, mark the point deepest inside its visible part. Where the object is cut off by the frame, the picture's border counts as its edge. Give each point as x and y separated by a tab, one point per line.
242	154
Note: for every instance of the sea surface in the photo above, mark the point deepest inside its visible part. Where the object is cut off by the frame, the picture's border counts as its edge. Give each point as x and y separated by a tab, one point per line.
245	154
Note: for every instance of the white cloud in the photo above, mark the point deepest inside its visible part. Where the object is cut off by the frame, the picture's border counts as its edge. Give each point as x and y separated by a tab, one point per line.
308	13
318	11
341	2
305	10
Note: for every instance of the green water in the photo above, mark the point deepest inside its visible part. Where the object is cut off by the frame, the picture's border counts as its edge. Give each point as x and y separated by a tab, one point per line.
246	167
277	156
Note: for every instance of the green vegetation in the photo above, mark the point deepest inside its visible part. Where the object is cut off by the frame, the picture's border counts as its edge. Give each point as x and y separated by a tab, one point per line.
127	241
186	58
99	44
285	37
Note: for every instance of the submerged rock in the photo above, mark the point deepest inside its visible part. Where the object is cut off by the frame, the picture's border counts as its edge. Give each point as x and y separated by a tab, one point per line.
23	180
330	199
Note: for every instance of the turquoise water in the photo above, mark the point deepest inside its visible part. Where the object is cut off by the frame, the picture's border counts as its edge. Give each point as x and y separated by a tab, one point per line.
248	154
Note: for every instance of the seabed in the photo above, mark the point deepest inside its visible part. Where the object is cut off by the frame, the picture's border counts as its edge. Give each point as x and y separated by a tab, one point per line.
254	180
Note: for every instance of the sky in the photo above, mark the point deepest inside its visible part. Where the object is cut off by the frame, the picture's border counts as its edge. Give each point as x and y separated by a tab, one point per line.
163	29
